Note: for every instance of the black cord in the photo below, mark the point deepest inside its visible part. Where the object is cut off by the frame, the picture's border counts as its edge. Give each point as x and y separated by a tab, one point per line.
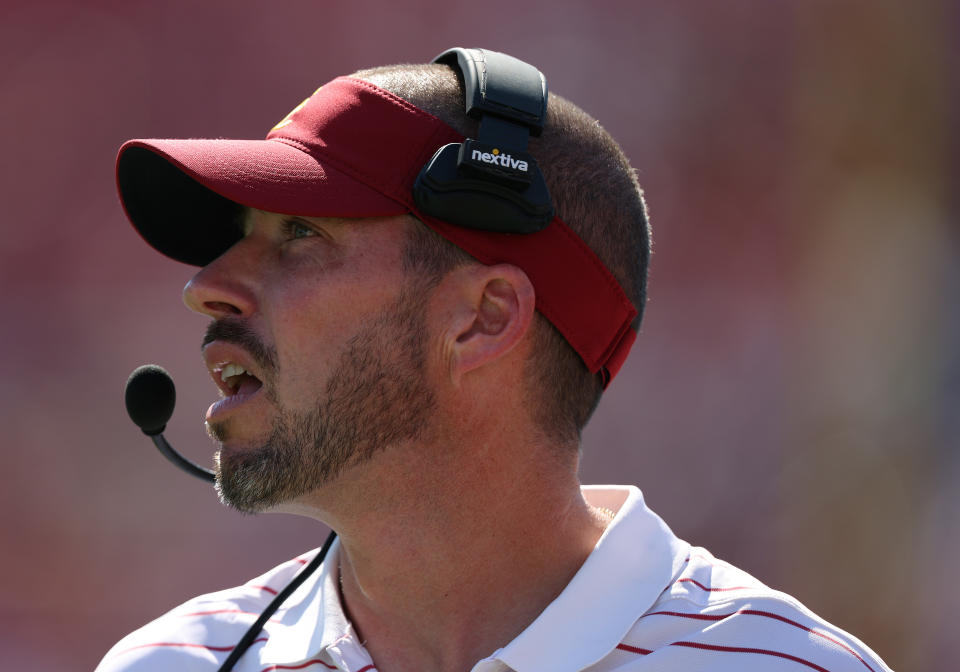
247	640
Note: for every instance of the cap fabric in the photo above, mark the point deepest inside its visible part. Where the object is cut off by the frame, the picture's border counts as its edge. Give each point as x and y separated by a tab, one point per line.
354	150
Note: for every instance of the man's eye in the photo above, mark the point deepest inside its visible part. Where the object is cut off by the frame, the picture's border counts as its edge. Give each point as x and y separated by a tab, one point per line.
294	228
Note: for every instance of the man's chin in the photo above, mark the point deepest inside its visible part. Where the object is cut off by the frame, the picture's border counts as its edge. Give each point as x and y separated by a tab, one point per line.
247	480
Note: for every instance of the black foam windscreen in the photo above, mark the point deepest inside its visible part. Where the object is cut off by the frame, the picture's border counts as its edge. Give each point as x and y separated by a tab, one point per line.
150	397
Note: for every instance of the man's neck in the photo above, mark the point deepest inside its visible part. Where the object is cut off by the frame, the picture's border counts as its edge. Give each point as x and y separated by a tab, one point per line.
456	561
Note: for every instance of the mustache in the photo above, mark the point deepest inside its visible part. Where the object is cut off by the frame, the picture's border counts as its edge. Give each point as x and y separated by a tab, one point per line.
238	333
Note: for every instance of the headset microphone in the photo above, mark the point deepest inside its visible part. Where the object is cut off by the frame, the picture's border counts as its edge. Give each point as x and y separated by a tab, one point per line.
150	398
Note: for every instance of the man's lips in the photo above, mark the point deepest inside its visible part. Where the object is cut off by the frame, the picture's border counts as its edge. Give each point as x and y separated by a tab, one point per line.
223	407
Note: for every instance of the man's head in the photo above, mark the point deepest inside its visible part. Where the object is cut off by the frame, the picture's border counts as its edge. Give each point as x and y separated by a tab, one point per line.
327	159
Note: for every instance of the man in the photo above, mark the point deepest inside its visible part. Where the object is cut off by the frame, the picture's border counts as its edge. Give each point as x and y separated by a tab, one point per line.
395	369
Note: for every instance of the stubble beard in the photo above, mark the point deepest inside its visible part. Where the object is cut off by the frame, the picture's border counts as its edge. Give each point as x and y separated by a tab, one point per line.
377	396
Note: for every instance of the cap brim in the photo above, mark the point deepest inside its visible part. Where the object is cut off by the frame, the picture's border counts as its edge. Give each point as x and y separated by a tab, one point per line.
183	196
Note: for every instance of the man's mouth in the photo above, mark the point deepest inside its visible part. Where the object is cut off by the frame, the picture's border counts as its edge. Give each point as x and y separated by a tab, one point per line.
234	380
237	384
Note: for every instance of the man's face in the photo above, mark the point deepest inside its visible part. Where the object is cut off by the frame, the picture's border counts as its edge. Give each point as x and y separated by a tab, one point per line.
318	344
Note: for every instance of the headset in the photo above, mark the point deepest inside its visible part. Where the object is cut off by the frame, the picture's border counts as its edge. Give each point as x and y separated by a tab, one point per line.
490	183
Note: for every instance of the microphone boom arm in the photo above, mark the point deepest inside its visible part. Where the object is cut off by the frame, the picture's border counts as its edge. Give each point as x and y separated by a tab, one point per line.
179	460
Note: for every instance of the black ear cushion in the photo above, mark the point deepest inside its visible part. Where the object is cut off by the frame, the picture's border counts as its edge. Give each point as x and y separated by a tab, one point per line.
441	191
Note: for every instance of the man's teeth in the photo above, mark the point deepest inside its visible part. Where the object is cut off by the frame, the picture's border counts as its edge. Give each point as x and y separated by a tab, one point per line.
229	371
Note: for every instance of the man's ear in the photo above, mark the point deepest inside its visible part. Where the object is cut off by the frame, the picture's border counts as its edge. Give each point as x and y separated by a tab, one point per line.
494	311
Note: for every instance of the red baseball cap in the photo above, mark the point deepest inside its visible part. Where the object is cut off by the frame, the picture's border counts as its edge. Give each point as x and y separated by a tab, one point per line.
354	150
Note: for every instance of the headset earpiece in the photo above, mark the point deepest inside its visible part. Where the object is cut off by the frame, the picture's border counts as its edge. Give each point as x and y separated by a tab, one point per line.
491	183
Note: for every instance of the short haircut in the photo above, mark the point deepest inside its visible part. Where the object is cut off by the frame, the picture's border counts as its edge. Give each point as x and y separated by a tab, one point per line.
595	192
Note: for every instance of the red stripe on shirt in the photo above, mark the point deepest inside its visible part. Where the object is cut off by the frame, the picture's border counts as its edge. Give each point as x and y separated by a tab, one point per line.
213	612
711	589
315	661
765	614
731	649
183	645
741	649
264	588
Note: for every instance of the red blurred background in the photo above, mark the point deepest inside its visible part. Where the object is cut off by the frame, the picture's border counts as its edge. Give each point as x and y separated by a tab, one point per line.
792	402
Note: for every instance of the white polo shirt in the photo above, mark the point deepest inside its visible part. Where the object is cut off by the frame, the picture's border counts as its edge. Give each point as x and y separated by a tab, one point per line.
644	601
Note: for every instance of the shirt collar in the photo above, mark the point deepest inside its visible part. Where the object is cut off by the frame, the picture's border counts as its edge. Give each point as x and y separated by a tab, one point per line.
312	618
628	569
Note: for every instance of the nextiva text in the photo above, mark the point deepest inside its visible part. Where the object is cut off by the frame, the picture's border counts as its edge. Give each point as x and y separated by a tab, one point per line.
501	159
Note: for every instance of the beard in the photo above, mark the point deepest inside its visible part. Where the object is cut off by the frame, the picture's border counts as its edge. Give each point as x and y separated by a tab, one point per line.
376	397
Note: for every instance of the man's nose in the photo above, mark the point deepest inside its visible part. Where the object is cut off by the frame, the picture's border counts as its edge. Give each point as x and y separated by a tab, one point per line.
226	286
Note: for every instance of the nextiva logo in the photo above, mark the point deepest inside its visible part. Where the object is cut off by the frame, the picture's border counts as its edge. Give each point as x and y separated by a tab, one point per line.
496	157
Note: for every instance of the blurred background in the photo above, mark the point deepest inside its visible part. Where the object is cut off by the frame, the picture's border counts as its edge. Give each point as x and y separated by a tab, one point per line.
791	404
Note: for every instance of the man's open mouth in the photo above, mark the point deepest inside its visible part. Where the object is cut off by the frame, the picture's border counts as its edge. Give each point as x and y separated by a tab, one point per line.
236	380
237	387
240	387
